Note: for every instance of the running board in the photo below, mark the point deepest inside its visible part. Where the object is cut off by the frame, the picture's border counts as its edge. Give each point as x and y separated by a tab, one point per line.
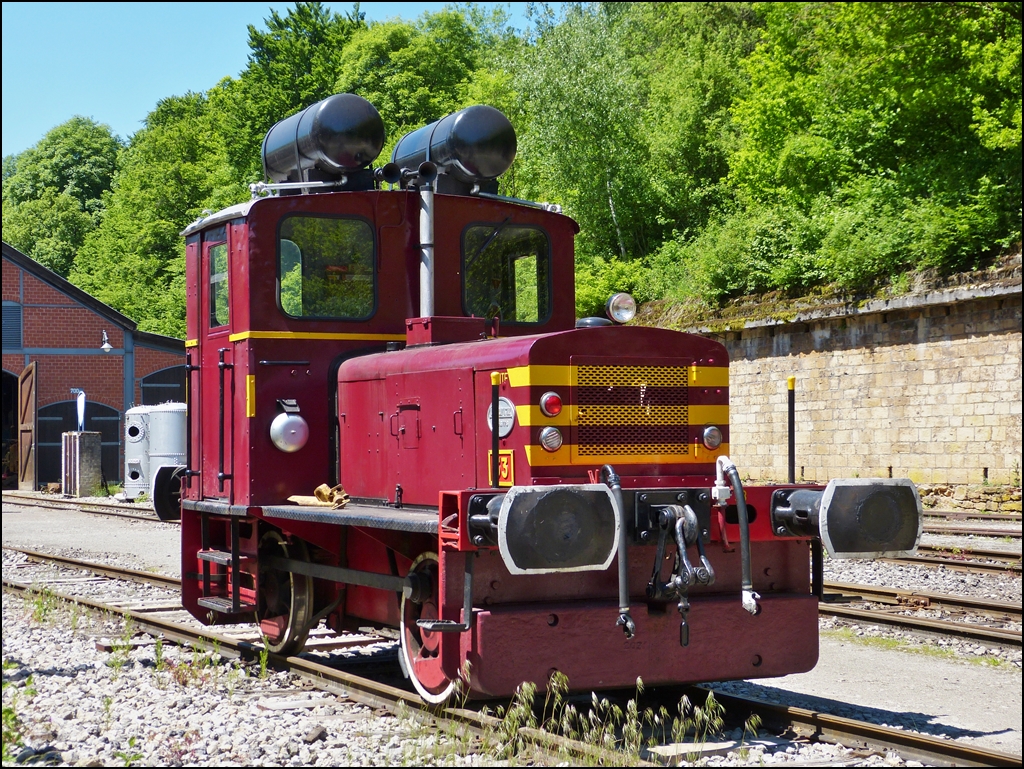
448	625
223	605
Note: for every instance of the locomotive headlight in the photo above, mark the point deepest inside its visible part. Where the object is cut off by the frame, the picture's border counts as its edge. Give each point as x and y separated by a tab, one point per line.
712	437
551	404
621	308
551	438
289	432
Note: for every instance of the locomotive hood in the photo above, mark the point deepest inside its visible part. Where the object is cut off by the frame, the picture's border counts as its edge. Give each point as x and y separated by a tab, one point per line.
643	398
635	343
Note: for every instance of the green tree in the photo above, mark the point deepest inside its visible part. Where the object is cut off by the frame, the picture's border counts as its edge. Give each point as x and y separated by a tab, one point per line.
53	192
293	63
692	55
175	167
874	138
411	72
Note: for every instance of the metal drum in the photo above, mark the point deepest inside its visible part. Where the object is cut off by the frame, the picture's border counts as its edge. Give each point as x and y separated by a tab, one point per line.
136	451
476	144
167	436
341	134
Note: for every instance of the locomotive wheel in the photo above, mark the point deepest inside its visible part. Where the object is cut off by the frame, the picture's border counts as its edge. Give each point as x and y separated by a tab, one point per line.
421	650
285	598
167	493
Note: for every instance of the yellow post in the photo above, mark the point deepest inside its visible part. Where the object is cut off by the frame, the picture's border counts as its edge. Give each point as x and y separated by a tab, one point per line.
495	428
791	384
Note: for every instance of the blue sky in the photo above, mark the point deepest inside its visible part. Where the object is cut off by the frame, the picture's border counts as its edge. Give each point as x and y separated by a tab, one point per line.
112	62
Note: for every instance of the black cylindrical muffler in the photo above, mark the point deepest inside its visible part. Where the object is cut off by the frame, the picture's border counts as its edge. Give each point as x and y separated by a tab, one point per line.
341	134
476	144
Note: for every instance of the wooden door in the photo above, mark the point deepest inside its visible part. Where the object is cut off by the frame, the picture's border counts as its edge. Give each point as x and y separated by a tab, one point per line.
27	429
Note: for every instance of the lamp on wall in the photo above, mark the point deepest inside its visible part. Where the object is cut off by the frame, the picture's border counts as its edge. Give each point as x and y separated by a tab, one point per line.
106	346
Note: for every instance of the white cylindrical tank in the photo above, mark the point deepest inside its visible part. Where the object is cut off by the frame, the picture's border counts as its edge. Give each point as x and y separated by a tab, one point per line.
166	436
136	451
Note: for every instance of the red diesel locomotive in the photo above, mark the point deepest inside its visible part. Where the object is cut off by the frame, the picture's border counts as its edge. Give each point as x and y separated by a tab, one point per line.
525	492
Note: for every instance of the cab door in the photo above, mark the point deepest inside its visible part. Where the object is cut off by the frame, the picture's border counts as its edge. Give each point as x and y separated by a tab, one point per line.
217	380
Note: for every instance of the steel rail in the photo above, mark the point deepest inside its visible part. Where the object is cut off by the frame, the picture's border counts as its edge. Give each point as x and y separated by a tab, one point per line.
913	599
943	627
822	726
932	751
972	515
93	508
956	552
965	630
115	572
976	567
358	688
965	531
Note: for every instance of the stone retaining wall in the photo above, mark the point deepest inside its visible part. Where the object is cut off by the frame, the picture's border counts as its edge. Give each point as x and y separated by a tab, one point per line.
925	386
989	499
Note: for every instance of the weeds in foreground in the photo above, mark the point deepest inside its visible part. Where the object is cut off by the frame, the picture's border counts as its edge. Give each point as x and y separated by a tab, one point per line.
158	656
264	657
235	674
122	648
604	725
177	751
196	671
129	756
12	693
43	605
599	724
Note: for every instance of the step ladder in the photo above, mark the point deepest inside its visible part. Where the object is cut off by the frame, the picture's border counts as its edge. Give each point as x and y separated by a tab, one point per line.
222	604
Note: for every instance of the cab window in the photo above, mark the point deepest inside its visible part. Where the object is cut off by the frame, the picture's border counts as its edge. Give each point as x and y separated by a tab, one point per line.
218	257
506	272
326	268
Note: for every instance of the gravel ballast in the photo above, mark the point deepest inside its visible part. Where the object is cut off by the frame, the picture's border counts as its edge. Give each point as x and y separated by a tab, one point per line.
166	705
967	700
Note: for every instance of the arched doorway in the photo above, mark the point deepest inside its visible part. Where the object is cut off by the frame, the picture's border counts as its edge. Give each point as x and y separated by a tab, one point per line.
62	417
9	452
167	384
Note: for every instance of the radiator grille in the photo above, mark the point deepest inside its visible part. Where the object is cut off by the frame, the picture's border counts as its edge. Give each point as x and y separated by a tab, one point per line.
632	410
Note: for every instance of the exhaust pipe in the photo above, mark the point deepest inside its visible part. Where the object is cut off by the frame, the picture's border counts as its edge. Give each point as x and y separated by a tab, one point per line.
427	173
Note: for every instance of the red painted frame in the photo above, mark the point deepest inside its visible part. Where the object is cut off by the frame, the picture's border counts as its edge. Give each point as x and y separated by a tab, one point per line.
417	418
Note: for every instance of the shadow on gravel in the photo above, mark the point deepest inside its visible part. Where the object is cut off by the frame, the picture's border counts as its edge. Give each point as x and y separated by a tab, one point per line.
924	723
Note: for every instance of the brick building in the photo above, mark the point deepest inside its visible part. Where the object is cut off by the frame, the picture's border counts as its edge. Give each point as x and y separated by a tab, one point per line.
77	342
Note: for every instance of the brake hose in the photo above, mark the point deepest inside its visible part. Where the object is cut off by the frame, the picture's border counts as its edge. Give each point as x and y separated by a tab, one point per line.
725	467
625	621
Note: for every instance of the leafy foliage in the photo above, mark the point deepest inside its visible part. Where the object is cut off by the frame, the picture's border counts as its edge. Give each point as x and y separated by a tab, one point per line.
706	149
292	64
174	168
52	192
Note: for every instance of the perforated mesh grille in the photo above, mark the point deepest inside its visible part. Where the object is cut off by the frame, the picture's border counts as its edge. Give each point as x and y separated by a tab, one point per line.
632	410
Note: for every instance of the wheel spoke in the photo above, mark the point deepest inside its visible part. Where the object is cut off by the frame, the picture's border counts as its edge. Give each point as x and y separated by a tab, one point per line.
421	651
286	599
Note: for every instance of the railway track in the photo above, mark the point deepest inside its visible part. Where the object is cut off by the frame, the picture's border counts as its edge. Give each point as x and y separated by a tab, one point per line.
973	559
28	499
967	531
810	724
971	515
931	751
956	552
894	601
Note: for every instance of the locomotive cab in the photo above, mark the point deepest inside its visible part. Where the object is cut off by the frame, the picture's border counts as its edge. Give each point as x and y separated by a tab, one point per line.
402	340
